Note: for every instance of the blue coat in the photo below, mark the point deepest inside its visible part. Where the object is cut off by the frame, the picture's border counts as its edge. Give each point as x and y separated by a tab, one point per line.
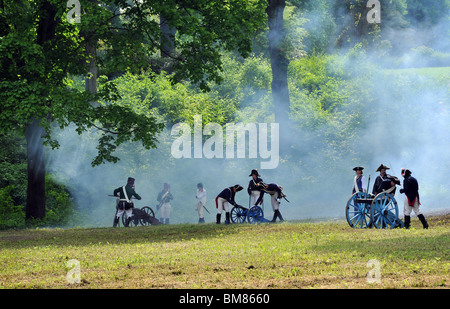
411	189
228	194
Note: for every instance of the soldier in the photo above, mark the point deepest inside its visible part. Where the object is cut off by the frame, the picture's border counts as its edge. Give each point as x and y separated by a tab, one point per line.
223	199
201	202
412	202
388	185
376	186
359	182
274	191
164	198
254	189
125	204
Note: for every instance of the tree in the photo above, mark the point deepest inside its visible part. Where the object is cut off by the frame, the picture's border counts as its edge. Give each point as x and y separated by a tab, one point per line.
279	64
40	49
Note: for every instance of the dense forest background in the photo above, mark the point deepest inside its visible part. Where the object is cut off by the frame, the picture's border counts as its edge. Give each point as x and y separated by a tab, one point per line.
361	94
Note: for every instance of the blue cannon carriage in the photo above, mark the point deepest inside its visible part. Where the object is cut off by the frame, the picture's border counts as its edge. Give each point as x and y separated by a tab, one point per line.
253	215
365	210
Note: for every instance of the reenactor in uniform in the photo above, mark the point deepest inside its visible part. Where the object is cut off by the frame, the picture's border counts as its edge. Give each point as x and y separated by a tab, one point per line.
254	188
164	198
223	200
412	201
359	182
275	193
201	202
125	194
388	185
383	176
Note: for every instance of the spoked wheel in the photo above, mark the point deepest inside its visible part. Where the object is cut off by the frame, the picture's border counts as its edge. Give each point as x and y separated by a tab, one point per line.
134	219
357	211
147	216
238	214
255	215
384	211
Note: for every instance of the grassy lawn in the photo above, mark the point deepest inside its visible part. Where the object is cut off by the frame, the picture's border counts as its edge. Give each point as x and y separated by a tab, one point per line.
287	255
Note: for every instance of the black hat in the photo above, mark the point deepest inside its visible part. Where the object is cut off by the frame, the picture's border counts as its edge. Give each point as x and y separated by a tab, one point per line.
406	172
358	168
238	188
381	167
199	185
130	180
254	172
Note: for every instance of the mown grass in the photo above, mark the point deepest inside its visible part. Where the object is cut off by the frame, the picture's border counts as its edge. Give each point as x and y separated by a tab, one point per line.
288	255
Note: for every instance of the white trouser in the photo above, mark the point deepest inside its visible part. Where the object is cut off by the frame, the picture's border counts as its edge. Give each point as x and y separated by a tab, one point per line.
254	197
407	209
164	211
128	212
275	203
222	205
199	208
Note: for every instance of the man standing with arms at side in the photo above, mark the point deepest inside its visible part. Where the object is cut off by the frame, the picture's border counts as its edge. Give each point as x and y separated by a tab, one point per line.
412	202
201	202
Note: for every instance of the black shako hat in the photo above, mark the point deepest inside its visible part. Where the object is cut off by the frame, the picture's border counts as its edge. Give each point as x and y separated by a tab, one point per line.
381	167
130	180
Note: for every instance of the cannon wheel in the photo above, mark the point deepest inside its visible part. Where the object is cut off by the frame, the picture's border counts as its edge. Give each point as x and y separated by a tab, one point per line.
384	211
255	215
148	216
238	214
358	214
134	220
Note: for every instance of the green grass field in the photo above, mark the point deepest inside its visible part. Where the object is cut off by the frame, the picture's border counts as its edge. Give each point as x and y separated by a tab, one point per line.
287	255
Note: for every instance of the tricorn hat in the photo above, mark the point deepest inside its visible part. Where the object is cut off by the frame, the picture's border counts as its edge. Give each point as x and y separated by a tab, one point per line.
381	167
358	168
254	172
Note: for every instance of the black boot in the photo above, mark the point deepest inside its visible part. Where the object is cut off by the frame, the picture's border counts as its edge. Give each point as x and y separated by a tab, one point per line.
275	215
167	220
116	222
227	218
423	220
407	222
218	218
280	216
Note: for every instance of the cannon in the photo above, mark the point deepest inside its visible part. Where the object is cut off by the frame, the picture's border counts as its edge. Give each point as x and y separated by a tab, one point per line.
253	215
143	216
365	210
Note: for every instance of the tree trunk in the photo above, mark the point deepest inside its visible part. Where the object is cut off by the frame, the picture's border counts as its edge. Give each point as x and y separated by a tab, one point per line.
279	64
35	207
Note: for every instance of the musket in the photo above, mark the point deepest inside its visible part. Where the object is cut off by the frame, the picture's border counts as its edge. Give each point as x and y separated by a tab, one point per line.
206	209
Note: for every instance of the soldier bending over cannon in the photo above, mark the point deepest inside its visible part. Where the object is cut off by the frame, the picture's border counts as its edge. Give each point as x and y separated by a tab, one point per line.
223	199
275	193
